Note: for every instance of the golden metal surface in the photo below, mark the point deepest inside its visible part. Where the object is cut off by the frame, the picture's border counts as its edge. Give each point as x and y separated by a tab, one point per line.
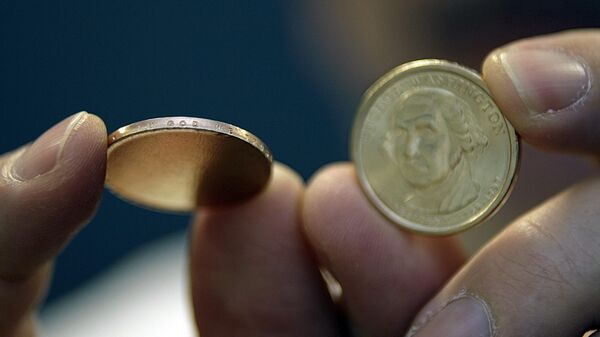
433	152
179	163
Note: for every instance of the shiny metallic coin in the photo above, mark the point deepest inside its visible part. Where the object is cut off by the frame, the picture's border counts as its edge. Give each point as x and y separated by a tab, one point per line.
179	163
432	151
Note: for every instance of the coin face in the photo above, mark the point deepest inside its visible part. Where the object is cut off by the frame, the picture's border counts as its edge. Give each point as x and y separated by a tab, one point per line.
432	151
179	163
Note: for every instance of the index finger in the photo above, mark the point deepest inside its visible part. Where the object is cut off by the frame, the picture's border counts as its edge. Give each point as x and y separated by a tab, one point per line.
252	273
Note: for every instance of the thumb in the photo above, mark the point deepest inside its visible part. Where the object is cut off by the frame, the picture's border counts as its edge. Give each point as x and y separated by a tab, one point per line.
547	87
48	190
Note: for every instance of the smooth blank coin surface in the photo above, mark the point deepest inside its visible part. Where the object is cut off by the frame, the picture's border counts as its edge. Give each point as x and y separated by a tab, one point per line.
179	163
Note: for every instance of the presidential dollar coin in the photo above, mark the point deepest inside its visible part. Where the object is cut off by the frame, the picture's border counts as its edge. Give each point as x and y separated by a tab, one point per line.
432	151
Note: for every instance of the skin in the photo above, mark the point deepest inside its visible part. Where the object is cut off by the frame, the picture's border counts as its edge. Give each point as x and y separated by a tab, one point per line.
254	266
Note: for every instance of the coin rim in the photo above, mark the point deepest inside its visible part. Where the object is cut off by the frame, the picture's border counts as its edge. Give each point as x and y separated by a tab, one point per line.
366	103
190	124
203	125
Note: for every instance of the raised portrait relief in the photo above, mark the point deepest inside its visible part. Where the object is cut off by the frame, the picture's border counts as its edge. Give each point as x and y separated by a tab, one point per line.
434	140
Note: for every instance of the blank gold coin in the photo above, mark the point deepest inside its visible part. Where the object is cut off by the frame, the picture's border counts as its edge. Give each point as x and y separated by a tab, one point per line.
179	163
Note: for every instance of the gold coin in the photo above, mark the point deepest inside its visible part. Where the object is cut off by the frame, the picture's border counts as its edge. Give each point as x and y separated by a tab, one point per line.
179	163
433	152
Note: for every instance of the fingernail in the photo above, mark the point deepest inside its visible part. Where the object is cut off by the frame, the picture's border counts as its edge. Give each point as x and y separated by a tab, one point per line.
464	317
44	154
546	80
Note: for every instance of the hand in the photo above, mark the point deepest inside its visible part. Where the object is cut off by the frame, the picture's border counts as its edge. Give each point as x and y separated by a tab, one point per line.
541	276
254	266
253	272
48	190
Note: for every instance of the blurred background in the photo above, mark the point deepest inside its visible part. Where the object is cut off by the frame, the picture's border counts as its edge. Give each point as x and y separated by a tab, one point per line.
290	72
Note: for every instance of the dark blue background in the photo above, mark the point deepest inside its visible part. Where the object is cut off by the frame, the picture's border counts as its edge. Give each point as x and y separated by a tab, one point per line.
131	60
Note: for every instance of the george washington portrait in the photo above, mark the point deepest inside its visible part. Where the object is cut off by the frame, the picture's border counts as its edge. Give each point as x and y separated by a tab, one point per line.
433	141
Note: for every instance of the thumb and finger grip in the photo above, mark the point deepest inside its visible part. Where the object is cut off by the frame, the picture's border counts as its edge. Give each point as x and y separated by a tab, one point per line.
47	191
547	87
540	276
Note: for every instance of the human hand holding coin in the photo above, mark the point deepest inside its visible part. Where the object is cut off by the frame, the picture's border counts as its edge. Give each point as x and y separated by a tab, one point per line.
537	278
255	265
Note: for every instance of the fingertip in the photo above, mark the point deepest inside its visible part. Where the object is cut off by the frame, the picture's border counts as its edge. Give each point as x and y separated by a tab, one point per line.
502	89
329	193
285	179
532	130
533	127
375	262
72	184
86	143
335	207
328	182
79	176
545	87
330	169
97	128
